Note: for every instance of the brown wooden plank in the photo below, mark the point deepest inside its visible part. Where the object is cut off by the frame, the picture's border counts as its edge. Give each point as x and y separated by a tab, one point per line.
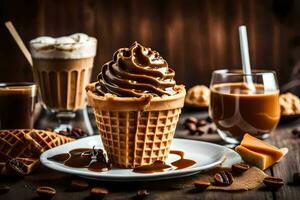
290	164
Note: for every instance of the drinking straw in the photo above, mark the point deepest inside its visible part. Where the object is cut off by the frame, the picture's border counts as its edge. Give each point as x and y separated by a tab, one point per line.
19	41
245	57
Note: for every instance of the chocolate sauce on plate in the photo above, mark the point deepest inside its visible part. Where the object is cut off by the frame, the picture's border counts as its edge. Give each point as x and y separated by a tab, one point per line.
160	166
95	160
92	159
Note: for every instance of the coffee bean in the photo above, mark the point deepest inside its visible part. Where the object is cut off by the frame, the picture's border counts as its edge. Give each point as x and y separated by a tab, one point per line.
77	133
192	128
64	133
46	192
16	168
79	184
201	122
191	120
48	129
99	191
142	194
240	168
210	130
208	119
273	183
199	131
4	189
296	178
223	178
296	132
201	184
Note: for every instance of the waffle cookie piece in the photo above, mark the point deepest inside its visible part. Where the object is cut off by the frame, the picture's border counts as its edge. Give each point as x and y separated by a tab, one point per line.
13	144
27	165
46	139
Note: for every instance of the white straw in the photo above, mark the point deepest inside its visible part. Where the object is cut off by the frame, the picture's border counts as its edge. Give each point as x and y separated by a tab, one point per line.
245	56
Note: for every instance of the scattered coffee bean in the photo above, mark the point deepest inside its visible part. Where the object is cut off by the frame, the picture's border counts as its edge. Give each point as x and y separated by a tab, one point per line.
208	119
142	194
192	128
201	122
64	133
296	132
240	168
4	189
99	191
79	184
191	120
210	130
77	133
201	184
296	178
273	183
48	129
223	178
46	192
16	168
199	131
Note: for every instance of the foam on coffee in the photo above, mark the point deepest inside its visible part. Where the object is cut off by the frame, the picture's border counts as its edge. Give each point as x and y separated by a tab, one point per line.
75	46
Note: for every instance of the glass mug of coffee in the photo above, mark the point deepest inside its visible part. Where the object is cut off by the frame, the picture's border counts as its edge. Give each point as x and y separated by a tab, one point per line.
238	107
17	103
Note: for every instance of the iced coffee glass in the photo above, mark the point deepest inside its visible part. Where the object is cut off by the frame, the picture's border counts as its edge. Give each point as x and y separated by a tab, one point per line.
62	68
237	107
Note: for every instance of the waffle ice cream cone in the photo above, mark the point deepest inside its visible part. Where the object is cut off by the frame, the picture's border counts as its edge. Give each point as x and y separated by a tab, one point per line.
136	131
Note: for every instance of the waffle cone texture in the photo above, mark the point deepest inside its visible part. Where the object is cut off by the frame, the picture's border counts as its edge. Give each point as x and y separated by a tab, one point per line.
136	131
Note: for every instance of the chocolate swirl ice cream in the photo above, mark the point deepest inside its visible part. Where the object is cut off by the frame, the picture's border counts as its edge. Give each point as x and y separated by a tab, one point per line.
136	71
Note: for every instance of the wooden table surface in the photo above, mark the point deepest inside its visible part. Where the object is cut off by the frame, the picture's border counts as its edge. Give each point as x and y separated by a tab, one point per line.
168	189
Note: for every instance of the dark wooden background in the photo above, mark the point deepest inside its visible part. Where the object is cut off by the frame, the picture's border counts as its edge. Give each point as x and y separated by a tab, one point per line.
194	36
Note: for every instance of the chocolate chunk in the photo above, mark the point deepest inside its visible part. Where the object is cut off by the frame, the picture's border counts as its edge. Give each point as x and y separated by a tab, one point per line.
296	178
240	168
79	185
201	122
99	191
16	168
201	184
223	178
142	194
273	183
191	120
4	189
199	131
46	192
192	128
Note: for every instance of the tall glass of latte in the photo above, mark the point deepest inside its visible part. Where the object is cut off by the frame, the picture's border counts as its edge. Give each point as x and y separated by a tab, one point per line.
236	108
62	68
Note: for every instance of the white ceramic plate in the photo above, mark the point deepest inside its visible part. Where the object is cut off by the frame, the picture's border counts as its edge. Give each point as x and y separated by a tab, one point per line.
206	155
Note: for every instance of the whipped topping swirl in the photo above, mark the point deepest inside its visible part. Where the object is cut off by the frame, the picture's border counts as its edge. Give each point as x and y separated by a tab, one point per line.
75	46
136	71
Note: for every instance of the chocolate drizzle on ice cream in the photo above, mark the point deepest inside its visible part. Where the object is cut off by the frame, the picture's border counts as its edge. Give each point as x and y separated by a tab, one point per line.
136	71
